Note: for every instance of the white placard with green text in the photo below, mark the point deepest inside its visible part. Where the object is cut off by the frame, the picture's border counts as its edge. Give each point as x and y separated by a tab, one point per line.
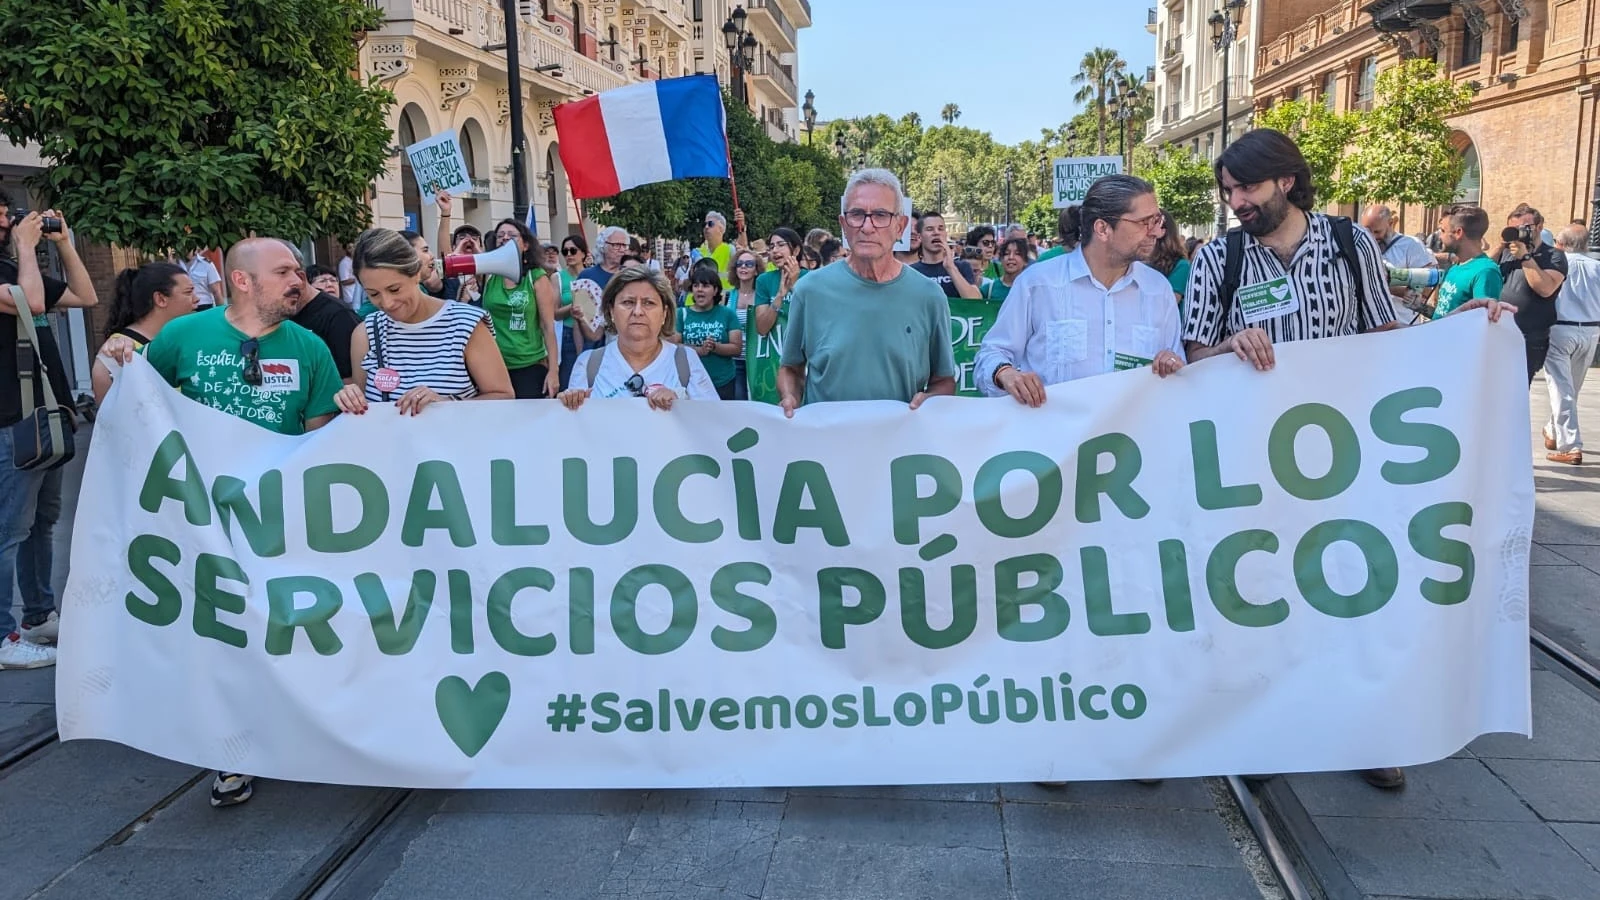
1320	567
1074	175
438	166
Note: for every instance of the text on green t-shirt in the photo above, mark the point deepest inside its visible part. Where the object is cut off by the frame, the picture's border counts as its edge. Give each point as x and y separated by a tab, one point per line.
515	316
717	324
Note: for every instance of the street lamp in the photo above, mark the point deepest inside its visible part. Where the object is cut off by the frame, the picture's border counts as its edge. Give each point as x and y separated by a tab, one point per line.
810	111
1008	195
1121	104
519	135
839	146
741	46
1224	24
1044	172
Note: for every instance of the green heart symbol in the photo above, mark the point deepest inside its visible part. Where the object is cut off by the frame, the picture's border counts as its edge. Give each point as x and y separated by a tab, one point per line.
470	714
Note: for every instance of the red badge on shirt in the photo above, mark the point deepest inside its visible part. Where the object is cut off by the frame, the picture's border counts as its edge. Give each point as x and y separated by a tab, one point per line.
386	380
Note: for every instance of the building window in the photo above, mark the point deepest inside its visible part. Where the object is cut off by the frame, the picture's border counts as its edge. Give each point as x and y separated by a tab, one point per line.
1294	95
1367	84
577	28
699	13
611	41
1471	49
1330	90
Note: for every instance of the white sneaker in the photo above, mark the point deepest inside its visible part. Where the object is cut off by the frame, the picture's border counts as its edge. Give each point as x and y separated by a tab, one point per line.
45	632
16	653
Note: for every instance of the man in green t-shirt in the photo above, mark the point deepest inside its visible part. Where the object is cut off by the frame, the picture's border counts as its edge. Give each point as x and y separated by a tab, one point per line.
1473	275
248	360
872	328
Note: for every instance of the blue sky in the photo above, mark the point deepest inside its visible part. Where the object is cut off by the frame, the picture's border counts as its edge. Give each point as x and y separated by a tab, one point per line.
1006	63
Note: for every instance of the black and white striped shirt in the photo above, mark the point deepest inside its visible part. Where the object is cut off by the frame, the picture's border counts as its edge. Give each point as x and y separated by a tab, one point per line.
1319	277
432	352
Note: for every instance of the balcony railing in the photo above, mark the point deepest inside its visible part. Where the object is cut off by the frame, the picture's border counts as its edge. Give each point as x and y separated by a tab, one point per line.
668	12
470	24
1171	49
784	25
1341	19
1238	88
1169	114
1152	17
769	67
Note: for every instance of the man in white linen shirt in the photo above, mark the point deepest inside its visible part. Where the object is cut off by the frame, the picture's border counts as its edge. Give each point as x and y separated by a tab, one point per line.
1572	344
1092	311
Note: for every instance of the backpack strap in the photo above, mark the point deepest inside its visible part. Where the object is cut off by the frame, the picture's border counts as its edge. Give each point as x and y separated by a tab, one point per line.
592	367
1232	271
683	367
1344	238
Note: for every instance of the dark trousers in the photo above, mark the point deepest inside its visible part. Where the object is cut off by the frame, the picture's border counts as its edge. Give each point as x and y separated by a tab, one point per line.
1538	348
725	391
528	382
741	380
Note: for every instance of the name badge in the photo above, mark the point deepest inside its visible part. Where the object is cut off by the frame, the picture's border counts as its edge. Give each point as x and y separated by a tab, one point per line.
386	380
1125	361
1267	300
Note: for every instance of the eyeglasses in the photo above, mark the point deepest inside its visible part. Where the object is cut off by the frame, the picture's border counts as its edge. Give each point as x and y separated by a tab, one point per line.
986	242
621	246
572	251
745	264
712	224
250	349
1148	223
778	242
635	385
857	218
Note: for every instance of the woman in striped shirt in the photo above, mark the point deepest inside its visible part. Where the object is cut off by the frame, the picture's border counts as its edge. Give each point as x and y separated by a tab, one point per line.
416	350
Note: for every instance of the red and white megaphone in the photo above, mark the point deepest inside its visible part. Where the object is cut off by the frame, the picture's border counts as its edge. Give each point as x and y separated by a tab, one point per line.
505	260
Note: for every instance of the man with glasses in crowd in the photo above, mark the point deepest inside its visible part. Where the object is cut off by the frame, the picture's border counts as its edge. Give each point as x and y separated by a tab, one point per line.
1114	311
250	361
873	328
614	244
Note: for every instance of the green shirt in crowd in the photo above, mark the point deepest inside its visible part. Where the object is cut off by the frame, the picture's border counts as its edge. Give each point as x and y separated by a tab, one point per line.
1477	277
1179	277
515	316
202	355
719	323
866	340
995	290
1052	253
768	284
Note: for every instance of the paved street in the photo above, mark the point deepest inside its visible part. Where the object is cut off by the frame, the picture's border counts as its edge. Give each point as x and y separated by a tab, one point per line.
1504	818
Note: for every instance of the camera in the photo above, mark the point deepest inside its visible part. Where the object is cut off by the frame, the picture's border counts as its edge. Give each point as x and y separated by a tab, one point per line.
1524	235
49	225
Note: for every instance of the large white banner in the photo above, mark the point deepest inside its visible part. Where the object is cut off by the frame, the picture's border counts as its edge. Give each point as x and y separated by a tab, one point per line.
1319	567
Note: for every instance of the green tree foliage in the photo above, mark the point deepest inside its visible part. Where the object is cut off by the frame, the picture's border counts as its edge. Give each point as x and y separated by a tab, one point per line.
1185	186
950	113
189	123
779	184
1040	218
1323	136
1402	151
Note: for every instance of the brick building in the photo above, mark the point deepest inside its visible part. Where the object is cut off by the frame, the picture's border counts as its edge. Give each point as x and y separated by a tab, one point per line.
1533	131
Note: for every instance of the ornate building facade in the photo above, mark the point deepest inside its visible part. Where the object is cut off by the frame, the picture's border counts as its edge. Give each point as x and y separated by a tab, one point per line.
1532	133
446	65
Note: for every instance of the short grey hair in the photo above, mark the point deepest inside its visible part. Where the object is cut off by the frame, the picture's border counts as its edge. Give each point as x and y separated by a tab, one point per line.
1573	239
611	230
880	177
721	219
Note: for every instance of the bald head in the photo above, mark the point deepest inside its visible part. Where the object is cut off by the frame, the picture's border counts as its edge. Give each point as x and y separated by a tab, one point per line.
264	275
1573	239
1379	220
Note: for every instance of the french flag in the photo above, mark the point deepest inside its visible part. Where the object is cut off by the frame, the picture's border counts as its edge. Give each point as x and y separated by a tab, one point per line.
643	133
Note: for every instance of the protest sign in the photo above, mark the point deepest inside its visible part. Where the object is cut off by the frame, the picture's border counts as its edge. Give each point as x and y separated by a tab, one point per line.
761	355
1074	175
438	165
970	320
1319	567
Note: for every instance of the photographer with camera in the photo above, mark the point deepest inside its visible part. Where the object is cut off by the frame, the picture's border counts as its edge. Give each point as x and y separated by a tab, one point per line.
30	500
1534	272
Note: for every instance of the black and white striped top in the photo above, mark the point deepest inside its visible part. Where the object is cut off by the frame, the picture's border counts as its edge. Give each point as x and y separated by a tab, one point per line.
1320	279
432	352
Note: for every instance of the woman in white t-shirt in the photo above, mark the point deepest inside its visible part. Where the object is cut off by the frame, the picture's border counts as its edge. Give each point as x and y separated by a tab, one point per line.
642	361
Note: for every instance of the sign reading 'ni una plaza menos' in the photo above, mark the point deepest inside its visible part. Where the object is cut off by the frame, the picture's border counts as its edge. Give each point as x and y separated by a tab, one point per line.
1318	567
1074	175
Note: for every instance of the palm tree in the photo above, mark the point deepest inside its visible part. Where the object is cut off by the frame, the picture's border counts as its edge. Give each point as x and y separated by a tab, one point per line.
1095	72
950	113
